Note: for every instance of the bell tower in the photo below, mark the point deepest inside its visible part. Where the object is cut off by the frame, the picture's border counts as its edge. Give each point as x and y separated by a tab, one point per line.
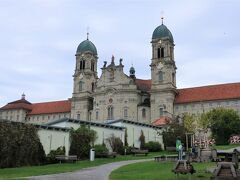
163	73
84	80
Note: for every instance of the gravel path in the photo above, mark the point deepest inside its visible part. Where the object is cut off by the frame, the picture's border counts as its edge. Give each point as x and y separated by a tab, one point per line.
94	173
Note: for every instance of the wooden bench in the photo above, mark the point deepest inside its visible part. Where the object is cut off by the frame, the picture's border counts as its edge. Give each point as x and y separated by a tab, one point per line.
172	157
107	154
138	151
63	158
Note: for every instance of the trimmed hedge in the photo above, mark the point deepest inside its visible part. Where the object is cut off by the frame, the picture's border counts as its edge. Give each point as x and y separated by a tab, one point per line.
153	146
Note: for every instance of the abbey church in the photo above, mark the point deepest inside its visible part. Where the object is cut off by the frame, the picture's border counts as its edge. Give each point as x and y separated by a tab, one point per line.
116	95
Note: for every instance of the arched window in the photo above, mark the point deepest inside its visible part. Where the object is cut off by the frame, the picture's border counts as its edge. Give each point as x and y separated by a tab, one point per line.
160	76
173	78
82	64
125	112
143	113
162	52
110	112
158	53
81	85
93	87
92	66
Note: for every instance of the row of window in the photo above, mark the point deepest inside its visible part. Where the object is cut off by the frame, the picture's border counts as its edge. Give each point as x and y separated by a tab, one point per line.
110	111
211	104
47	117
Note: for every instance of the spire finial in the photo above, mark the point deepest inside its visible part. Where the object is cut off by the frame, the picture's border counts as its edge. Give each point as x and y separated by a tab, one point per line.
162	17
87	32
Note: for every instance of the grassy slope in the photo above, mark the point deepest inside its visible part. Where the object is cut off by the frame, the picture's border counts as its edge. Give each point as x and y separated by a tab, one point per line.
155	170
65	167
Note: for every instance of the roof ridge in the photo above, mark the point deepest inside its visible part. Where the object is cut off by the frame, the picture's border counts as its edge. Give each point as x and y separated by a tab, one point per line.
211	85
51	101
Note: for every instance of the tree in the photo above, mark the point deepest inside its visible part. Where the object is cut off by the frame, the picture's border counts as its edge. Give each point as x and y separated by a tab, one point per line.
116	144
223	123
189	123
126	138
173	131
82	140
142	140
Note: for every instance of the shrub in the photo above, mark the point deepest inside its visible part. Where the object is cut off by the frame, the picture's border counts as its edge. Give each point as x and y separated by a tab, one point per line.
116	144
100	150
82	140
142	140
153	146
20	145
51	157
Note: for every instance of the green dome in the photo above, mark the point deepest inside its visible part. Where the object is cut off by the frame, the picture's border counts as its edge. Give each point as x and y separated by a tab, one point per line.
132	71
162	32
86	46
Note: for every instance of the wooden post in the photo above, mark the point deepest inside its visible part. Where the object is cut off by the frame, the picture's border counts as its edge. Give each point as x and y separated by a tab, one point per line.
186	141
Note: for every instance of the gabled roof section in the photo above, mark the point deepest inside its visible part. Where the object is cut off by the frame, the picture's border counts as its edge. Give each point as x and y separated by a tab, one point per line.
51	107
85	123
143	85
164	120
37	125
19	104
208	93
133	122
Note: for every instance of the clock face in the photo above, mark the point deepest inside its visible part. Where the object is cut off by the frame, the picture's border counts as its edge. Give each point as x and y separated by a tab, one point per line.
81	76
160	65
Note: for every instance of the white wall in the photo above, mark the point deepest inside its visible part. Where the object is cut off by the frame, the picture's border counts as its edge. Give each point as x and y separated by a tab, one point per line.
52	139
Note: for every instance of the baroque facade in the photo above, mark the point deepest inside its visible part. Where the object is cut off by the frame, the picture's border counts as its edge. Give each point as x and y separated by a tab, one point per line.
116	95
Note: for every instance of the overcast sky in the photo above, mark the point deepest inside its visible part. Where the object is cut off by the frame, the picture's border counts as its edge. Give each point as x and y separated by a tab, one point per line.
39	38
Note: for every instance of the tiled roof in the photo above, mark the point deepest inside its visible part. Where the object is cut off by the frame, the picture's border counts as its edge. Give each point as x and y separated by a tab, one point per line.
143	85
51	107
19	104
208	93
161	121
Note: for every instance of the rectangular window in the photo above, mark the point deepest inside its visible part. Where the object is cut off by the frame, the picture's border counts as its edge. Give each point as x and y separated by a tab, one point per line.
125	114
78	116
80	86
158	53
184	107
97	114
161	112
160	76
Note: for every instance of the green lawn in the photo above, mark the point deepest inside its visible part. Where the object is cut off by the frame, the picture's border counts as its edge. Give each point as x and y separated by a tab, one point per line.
157	171
66	167
225	147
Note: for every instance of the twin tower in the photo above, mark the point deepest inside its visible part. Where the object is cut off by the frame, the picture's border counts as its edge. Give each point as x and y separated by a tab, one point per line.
115	95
